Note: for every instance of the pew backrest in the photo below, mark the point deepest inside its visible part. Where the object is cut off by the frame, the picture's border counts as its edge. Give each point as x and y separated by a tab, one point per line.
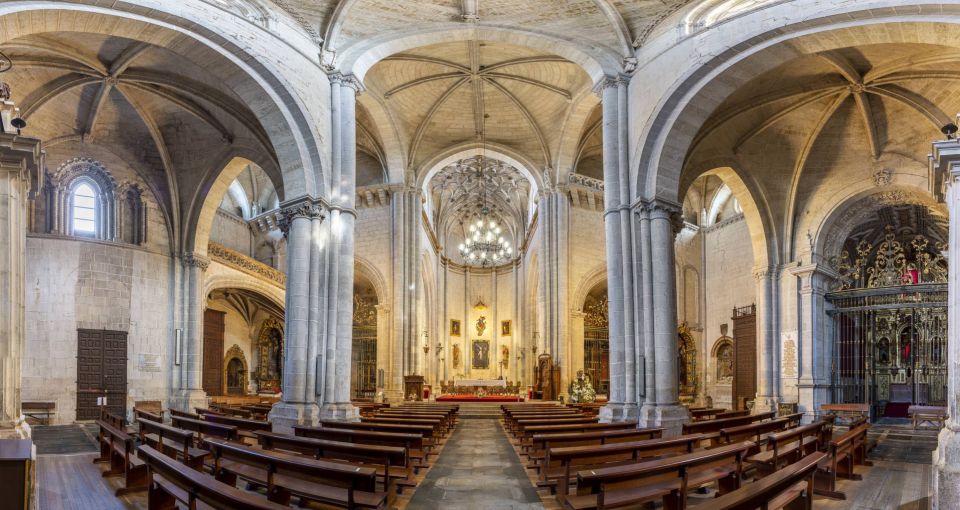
797	476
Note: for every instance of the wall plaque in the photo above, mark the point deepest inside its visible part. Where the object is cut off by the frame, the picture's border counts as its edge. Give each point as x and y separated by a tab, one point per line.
148	362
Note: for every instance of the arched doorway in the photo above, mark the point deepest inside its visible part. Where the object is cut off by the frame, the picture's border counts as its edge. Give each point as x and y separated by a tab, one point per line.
363	373
235	373
596	339
270	357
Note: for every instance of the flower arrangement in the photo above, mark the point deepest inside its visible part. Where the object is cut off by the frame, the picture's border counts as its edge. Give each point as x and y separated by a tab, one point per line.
581	391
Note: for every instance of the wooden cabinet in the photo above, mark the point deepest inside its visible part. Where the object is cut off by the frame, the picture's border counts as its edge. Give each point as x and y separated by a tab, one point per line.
413	386
16	473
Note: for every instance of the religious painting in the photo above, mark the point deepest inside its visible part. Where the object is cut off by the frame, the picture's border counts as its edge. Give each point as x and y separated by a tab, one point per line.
506	328
270	356
454	327
481	354
505	357
456	356
481	325
724	354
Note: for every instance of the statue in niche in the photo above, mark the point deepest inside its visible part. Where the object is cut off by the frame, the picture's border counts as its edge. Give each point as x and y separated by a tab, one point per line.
906	346
725	363
481	325
273	363
456	356
883	351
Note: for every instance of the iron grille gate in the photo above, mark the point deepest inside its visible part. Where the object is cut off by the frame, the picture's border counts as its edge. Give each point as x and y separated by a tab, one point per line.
889	347
596	358
364	377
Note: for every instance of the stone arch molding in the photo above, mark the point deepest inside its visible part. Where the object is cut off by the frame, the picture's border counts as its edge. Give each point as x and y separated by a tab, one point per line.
366	269
594	277
260	84
661	145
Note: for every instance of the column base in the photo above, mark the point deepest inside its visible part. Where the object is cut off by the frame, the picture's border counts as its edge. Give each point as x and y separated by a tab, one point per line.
189	400
764	404
946	469
392	396
342	411
17	429
284	415
670	418
615	411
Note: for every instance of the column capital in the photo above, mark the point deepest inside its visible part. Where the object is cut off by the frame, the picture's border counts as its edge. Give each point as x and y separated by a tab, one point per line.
660	209
608	81
23	156
346	80
765	272
814	277
303	207
195	260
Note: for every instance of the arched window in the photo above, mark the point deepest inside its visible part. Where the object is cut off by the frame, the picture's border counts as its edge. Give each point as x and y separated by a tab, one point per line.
83	209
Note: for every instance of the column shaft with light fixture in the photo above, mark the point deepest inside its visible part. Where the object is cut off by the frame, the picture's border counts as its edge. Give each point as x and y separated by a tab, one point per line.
21	174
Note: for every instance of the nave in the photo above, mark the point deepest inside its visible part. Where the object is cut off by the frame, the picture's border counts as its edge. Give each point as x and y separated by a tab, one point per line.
482	455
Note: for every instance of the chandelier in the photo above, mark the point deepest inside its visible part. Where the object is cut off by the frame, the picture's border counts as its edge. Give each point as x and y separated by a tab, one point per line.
484	245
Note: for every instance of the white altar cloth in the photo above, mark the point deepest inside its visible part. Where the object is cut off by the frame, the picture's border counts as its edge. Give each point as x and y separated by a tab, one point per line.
480	382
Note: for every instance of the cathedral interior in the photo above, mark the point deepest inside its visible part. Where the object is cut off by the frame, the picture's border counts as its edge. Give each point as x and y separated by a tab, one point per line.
561	254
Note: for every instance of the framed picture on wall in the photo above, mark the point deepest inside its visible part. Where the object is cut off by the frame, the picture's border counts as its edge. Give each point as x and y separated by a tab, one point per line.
505	328
454	327
481	354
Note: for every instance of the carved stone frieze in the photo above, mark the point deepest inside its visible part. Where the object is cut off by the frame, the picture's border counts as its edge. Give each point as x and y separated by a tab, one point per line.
194	260
243	263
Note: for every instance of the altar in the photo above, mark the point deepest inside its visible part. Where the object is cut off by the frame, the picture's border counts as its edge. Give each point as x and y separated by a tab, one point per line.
500	383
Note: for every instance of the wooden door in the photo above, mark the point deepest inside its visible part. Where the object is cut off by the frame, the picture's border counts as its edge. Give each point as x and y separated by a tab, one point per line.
744	355
213	351
101	372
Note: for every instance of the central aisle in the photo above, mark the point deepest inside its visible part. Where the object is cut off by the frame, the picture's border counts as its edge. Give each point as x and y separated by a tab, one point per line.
477	470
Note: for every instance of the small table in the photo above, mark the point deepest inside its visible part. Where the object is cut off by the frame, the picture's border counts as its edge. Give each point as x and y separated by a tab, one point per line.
16	472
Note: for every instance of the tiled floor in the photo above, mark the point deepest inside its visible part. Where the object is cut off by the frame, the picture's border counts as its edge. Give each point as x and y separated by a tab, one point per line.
478	470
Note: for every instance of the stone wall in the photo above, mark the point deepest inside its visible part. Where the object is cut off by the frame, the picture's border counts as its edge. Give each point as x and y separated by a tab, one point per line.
73	284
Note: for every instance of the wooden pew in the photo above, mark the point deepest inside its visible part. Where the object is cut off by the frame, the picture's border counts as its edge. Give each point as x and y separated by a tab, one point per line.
560	464
447	420
391	462
204	429
526	440
284	476
170	481
150	406
666	479
141	414
705	413
246	428
540	442
711	428
790	487
40	411
117	421
756	431
435	423
118	448
521	425
177	443
413	443
842	454
934	415
847	414
183	414
731	414
787	447
429	441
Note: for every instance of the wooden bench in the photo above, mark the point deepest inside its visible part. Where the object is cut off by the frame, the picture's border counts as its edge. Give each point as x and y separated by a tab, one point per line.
705	413
560	464
176	443
846	414
183	414
391	462
934	415
284	476
436	423
790	488
429	441
731	414
246	428
170	481
521	425
526	439
843	454
119	449
711	428
540	442
150	406
666	479
413	443
40	411
447	421
787	447
141	414
117	421
204	429
756	431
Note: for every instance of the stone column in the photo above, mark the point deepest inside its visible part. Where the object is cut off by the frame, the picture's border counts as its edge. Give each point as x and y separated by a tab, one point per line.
302	309
815	344
187	391
21	168
946	458
620	257
662	406
768	380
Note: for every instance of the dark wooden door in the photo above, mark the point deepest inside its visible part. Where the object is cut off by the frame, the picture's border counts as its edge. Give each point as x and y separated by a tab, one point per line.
101	372
744	355
213	352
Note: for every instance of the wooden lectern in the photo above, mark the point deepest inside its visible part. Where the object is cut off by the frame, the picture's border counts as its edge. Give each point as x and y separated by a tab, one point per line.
413	386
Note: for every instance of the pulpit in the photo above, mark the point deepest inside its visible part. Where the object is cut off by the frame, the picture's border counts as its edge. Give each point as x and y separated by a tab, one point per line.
413	387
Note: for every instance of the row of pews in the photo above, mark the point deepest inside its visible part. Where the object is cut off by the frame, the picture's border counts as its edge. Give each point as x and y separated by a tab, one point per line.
207	456
754	461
